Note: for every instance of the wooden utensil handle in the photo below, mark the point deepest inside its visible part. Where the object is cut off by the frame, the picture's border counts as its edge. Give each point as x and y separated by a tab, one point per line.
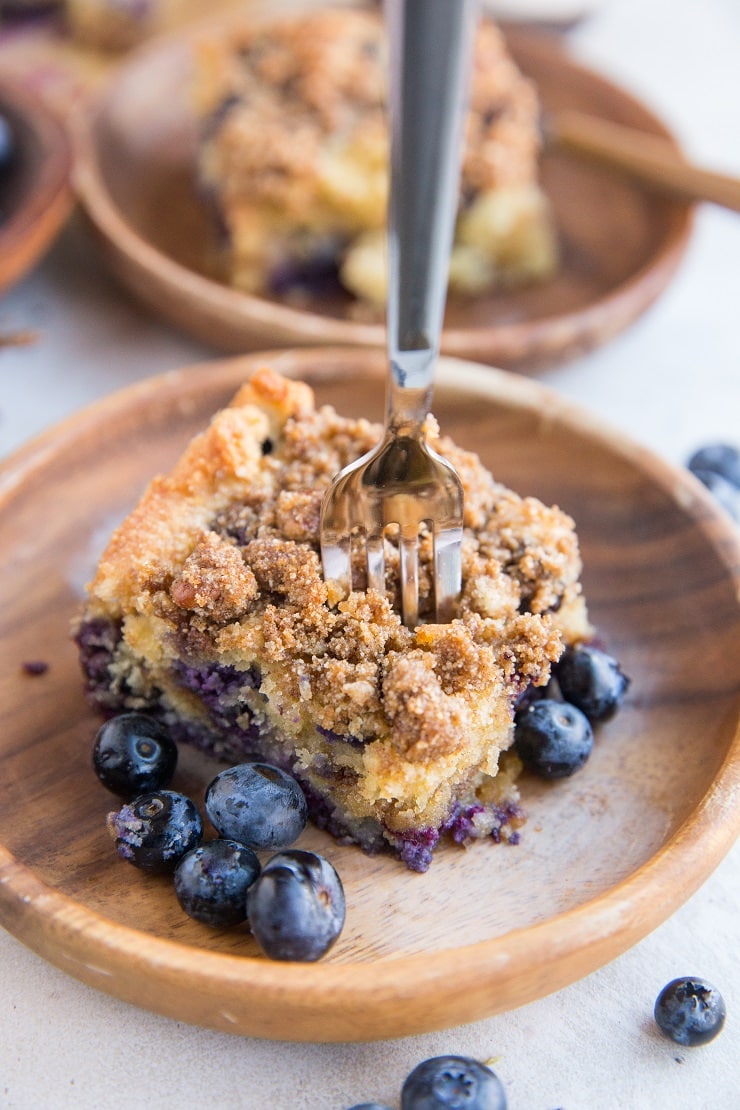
650	158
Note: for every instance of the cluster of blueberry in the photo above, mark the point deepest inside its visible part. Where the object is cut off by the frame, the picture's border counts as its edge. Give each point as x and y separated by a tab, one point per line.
554	736
717	466
294	903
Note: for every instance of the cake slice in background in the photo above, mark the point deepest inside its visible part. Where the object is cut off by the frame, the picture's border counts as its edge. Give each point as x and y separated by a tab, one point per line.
293	160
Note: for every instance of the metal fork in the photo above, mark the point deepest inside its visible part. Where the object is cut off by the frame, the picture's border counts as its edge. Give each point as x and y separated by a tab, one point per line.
403	481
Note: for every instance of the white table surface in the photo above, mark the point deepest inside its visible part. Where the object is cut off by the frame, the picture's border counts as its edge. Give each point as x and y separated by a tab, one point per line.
672	382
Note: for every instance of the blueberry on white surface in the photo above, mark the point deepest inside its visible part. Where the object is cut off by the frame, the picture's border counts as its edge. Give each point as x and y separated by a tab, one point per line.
591	680
717	458
155	830
296	908
134	754
257	804
452	1083
212	880
690	1011
553	738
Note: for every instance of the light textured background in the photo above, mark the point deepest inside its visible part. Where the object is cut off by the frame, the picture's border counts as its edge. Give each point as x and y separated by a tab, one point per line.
671	382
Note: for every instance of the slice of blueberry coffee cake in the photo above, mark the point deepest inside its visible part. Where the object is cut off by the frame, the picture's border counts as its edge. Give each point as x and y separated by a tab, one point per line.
292	157
209	610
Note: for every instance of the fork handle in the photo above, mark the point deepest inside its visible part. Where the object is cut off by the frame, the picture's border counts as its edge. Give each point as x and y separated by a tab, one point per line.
431	44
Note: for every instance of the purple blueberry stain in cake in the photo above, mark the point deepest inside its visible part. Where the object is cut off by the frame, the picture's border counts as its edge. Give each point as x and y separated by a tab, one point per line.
219	688
495	821
366	833
415	847
97	640
338	738
322	766
507	818
316	272
460	824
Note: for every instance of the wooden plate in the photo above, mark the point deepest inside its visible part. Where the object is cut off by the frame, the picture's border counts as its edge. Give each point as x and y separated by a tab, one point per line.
620	244
35	193
605	856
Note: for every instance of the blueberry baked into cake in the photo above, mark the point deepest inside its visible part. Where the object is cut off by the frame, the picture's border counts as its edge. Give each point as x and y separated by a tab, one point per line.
292	159
209	610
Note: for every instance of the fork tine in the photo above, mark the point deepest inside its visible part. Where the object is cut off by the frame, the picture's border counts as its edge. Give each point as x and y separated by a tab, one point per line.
375	563
447	571
336	558
409	567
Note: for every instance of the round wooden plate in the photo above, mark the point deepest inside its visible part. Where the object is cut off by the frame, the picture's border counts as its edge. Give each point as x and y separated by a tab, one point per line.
35	192
605	856
620	243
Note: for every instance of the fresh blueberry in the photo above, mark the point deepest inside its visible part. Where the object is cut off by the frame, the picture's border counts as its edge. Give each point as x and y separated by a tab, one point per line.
452	1083
592	681
155	830
134	754
211	882
718	458
258	805
723	491
7	144
553	738
296	907
690	1011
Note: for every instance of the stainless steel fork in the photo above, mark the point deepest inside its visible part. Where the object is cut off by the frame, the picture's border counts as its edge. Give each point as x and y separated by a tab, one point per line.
403	481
